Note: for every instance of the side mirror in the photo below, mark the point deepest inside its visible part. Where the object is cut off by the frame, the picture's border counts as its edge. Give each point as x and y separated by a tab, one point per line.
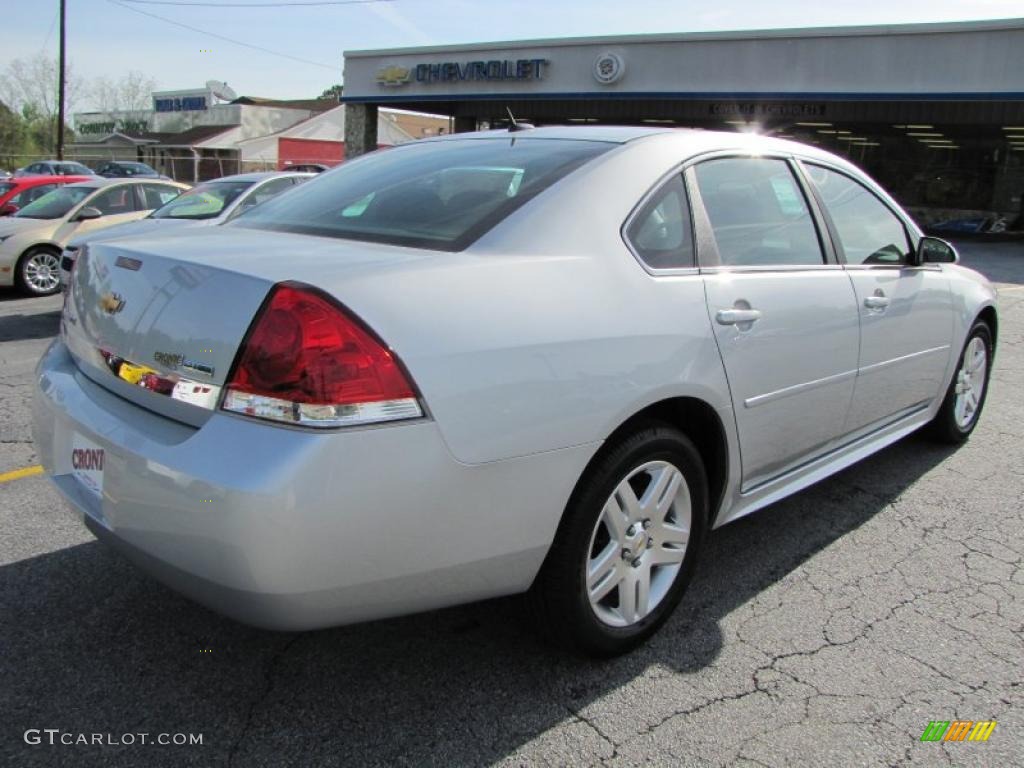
88	213
932	250
8	209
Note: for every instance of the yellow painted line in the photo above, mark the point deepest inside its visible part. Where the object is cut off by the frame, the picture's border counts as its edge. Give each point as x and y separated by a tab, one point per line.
17	474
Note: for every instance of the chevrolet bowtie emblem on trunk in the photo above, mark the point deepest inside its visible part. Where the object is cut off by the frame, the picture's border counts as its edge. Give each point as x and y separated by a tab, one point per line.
111	303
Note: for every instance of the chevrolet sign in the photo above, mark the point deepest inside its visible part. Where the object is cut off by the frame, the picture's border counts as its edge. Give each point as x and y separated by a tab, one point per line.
393	76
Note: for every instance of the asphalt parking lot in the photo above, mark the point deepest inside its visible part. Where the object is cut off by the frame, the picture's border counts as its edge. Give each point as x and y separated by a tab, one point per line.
827	630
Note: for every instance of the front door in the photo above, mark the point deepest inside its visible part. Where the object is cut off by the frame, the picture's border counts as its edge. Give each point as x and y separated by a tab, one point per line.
784	314
906	312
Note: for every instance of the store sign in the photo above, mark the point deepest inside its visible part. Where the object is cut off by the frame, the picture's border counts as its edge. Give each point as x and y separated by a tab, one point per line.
455	71
760	109
180	103
110	126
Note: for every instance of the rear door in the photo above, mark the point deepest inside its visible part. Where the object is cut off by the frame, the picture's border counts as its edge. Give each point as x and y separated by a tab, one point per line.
906	312
118	204
783	311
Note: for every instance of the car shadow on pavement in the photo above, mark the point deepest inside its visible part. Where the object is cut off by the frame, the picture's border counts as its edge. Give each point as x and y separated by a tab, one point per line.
20	327
91	645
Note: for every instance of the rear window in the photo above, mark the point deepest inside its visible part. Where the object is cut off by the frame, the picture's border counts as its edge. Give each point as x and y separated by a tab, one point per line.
440	195
6	187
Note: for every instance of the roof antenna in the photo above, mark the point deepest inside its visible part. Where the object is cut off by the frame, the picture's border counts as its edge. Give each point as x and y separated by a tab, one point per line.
516	126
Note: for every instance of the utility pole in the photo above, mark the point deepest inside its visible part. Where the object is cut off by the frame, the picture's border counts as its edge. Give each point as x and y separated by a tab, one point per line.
60	94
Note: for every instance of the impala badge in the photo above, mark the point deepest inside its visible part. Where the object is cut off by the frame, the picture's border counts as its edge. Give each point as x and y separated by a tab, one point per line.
111	303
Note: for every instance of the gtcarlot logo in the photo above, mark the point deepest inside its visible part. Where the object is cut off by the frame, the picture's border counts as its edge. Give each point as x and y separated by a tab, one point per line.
55	736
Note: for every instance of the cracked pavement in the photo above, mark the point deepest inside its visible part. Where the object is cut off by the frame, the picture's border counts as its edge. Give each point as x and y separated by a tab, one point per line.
826	630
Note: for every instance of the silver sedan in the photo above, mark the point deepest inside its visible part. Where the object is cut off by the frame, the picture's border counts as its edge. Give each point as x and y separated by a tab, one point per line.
546	361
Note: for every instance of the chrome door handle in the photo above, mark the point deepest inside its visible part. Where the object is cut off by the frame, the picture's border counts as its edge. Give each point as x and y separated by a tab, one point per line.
876	302
737	316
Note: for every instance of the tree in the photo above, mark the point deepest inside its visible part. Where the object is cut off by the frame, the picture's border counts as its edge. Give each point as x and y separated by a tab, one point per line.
334	92
131	93
29	89
32	82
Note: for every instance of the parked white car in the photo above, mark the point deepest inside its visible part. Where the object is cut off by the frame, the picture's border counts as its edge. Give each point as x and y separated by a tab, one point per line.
543	361
32	239
204	205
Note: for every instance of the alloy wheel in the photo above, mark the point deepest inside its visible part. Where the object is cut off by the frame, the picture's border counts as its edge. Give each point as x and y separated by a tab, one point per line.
970	382
42	272
638	544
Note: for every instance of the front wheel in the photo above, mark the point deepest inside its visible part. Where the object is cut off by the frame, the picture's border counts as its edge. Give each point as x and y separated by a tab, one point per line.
38	272
627	546
966	395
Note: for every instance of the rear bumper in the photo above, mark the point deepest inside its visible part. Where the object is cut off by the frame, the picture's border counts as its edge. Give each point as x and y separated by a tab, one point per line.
291	529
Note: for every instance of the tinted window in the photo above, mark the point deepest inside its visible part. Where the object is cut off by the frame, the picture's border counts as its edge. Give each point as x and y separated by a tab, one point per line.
114	201
266	191
55	204
758	213
660	233
203	202
441	195
158	195
72	169
868	231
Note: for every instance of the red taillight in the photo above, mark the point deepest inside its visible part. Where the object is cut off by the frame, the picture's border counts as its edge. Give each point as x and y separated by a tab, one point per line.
307	361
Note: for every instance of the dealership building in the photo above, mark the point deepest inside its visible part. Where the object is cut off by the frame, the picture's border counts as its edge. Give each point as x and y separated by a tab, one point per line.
934	111
208	132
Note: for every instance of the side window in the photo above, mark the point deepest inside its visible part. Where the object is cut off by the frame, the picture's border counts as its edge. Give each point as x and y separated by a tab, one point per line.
660	233
267	191
869	232
758	213
114	201
157	195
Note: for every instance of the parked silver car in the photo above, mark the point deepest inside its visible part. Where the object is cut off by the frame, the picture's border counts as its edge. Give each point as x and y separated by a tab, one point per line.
543	361
205	205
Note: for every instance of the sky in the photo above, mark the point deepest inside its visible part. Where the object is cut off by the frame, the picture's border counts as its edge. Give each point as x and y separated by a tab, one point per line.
107	38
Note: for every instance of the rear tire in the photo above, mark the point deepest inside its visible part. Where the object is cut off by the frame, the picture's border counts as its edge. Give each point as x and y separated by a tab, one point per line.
38	271
963	402
627	545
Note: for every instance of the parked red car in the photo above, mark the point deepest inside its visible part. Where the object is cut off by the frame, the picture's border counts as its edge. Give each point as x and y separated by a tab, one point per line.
17	192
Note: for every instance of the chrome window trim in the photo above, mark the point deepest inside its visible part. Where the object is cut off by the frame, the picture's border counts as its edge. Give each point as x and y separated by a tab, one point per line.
718	270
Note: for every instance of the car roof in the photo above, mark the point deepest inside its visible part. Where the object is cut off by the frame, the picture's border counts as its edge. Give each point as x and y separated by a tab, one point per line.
256	176
35	181
686	142
99	182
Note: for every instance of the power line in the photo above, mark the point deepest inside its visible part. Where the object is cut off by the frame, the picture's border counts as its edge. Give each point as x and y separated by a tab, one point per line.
222	37
49	32
256	5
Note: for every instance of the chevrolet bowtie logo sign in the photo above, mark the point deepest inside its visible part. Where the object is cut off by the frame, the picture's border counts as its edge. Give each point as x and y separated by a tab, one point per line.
394	76
111	303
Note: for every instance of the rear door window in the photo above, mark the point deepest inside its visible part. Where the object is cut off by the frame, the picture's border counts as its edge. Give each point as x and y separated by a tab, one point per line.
157	195
758	213
114	201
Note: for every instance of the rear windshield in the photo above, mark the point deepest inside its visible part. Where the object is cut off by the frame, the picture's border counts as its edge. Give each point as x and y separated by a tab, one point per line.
203	202
441	195
72	169
6	187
